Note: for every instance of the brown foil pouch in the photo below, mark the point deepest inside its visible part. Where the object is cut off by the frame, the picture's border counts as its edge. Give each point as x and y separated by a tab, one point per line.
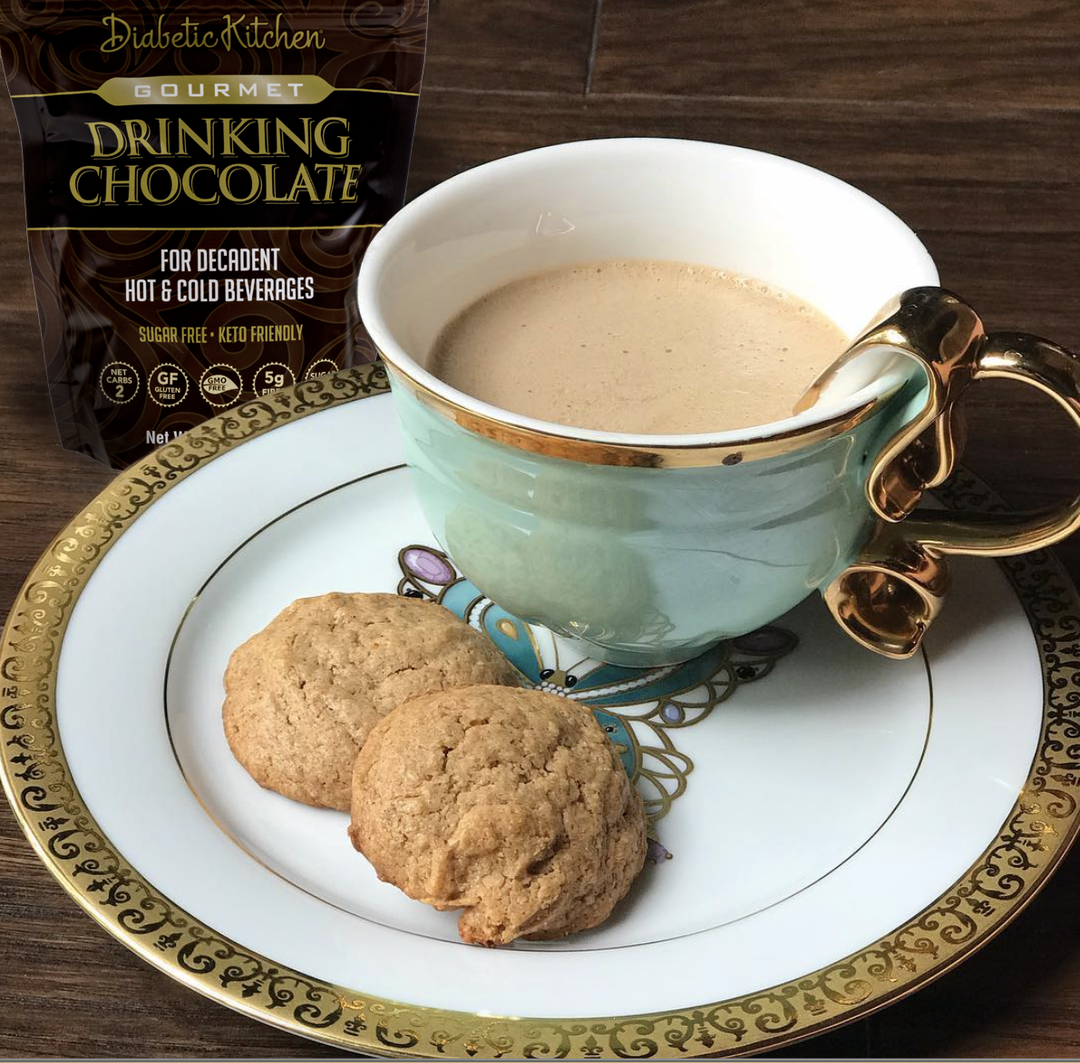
202	179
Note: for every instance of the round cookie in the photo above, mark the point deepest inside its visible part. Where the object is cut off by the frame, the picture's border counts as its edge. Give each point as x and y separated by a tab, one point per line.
509	803
302	695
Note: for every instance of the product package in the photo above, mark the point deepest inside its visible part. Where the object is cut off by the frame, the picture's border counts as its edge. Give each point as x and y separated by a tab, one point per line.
202	178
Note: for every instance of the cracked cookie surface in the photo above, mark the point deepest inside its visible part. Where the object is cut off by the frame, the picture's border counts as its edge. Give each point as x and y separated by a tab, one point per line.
302	695
511	804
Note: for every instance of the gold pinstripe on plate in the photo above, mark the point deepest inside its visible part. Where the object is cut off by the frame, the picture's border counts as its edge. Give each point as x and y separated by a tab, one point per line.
1016	863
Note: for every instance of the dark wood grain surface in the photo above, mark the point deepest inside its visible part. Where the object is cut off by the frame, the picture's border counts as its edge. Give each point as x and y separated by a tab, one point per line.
962	118
932	52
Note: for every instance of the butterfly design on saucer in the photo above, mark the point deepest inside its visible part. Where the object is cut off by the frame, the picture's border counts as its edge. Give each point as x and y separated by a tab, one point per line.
641	709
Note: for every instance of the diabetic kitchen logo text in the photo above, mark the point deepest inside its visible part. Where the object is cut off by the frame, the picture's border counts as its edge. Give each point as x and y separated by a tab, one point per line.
231	31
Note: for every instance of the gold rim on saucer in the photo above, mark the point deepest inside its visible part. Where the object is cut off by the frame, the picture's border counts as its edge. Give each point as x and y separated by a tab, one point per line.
1038	831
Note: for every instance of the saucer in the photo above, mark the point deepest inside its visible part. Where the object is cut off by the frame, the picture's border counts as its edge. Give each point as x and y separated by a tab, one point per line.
829	830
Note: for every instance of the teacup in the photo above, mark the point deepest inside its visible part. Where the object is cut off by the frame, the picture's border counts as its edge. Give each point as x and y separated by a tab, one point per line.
650	548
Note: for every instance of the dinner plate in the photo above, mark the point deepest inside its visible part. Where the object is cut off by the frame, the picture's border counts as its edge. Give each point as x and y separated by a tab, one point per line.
829	830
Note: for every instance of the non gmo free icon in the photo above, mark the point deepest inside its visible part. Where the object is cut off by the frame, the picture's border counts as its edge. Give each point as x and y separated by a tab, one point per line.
221	385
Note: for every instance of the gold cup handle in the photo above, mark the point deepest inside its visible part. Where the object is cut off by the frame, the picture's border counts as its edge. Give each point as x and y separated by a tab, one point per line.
895	588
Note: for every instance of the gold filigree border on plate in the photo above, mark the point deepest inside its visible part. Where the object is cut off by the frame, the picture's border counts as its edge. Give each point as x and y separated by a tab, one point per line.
1038	831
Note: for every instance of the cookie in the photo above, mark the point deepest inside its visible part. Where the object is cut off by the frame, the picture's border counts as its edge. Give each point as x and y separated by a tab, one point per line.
302	695
511	804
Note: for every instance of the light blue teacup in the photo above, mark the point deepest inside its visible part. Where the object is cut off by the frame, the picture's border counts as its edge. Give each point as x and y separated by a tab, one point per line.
649	549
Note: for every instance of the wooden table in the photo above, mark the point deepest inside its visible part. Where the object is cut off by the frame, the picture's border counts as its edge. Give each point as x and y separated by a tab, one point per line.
962	118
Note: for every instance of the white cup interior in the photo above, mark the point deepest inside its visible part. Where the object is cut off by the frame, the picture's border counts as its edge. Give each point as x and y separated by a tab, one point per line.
684	201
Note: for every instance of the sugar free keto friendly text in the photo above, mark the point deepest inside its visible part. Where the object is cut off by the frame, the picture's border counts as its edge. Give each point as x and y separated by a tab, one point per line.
230	177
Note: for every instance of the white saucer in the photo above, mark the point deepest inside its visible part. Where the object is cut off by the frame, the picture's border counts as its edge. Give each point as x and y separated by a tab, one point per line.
831	829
